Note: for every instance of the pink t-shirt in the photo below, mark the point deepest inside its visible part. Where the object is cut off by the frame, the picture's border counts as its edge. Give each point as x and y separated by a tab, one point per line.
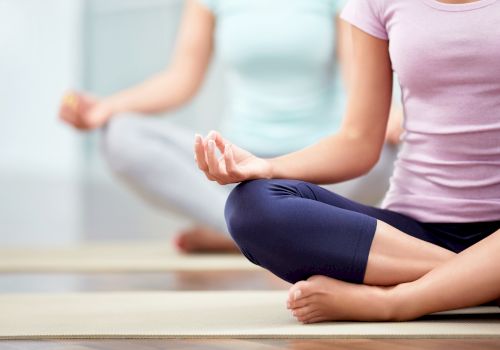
447	58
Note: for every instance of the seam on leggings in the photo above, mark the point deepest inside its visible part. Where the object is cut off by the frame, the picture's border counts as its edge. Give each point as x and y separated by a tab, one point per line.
306	185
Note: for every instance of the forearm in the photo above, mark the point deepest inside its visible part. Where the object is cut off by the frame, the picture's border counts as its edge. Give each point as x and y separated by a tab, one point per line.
162	92
334	159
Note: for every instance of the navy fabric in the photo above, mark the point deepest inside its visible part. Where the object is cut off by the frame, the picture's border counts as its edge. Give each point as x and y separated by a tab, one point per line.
296	230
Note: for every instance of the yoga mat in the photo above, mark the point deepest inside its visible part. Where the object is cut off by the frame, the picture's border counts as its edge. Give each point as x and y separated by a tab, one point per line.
112	257
207	315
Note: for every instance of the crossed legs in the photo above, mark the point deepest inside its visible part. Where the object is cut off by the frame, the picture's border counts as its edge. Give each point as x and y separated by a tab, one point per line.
298	230
468	279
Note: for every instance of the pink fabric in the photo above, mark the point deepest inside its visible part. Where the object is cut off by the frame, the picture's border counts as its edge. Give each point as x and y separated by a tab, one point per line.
447	58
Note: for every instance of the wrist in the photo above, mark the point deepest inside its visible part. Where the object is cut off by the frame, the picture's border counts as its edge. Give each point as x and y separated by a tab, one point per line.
270	171
113	106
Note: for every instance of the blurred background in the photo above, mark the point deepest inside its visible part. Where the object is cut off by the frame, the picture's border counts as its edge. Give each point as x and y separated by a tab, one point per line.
54	187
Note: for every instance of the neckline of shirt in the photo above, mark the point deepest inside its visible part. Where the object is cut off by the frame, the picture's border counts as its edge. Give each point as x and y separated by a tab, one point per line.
459	7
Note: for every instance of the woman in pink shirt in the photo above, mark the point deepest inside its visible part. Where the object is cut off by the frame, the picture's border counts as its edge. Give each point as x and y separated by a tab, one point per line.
439	228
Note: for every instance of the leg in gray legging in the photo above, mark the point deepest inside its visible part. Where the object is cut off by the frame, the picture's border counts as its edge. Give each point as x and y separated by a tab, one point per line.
155	157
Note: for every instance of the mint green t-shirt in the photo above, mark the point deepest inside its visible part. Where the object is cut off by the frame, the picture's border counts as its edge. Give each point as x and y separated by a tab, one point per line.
284	89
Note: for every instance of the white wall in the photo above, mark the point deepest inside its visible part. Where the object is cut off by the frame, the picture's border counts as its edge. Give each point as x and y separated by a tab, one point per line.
39	157
39	58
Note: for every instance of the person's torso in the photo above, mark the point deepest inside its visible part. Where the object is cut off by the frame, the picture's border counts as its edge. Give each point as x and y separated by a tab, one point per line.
447	57
283	88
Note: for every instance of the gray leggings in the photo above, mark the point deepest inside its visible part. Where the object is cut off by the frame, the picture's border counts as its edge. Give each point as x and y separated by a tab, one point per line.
155	158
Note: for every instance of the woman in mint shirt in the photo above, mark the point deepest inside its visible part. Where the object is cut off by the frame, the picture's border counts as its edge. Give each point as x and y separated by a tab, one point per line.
284	93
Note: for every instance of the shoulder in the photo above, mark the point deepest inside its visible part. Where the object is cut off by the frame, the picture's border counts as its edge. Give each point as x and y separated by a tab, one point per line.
367	15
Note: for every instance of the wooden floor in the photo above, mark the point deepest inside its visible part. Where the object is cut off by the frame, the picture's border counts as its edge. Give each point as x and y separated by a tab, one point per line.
254	345
42	283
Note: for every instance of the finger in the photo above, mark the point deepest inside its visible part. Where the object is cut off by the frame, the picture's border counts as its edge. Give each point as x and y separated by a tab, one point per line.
212	161
205	147
220	142
81	123
211	175
71	100
201	157
199	150
68	108
73	120
231	167
71	110
66	114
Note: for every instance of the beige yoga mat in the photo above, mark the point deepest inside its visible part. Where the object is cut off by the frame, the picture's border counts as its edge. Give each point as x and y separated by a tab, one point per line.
207	315
112	257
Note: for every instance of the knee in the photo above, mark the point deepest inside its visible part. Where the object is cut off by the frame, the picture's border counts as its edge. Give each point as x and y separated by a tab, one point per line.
244	205
246	216
121	144
252	209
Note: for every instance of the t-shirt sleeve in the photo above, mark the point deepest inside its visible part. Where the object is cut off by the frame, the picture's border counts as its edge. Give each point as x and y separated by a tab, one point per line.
209	4
367	16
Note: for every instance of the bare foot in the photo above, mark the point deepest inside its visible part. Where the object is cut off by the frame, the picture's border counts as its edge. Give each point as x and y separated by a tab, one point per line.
322	299
204	240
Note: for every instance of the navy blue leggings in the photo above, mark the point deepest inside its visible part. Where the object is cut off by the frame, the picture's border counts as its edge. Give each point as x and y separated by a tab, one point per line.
296	230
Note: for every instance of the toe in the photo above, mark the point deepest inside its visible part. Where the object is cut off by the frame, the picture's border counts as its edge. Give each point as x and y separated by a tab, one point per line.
295	304
180	242
303	311
315	319
309	316
295	291
300	290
